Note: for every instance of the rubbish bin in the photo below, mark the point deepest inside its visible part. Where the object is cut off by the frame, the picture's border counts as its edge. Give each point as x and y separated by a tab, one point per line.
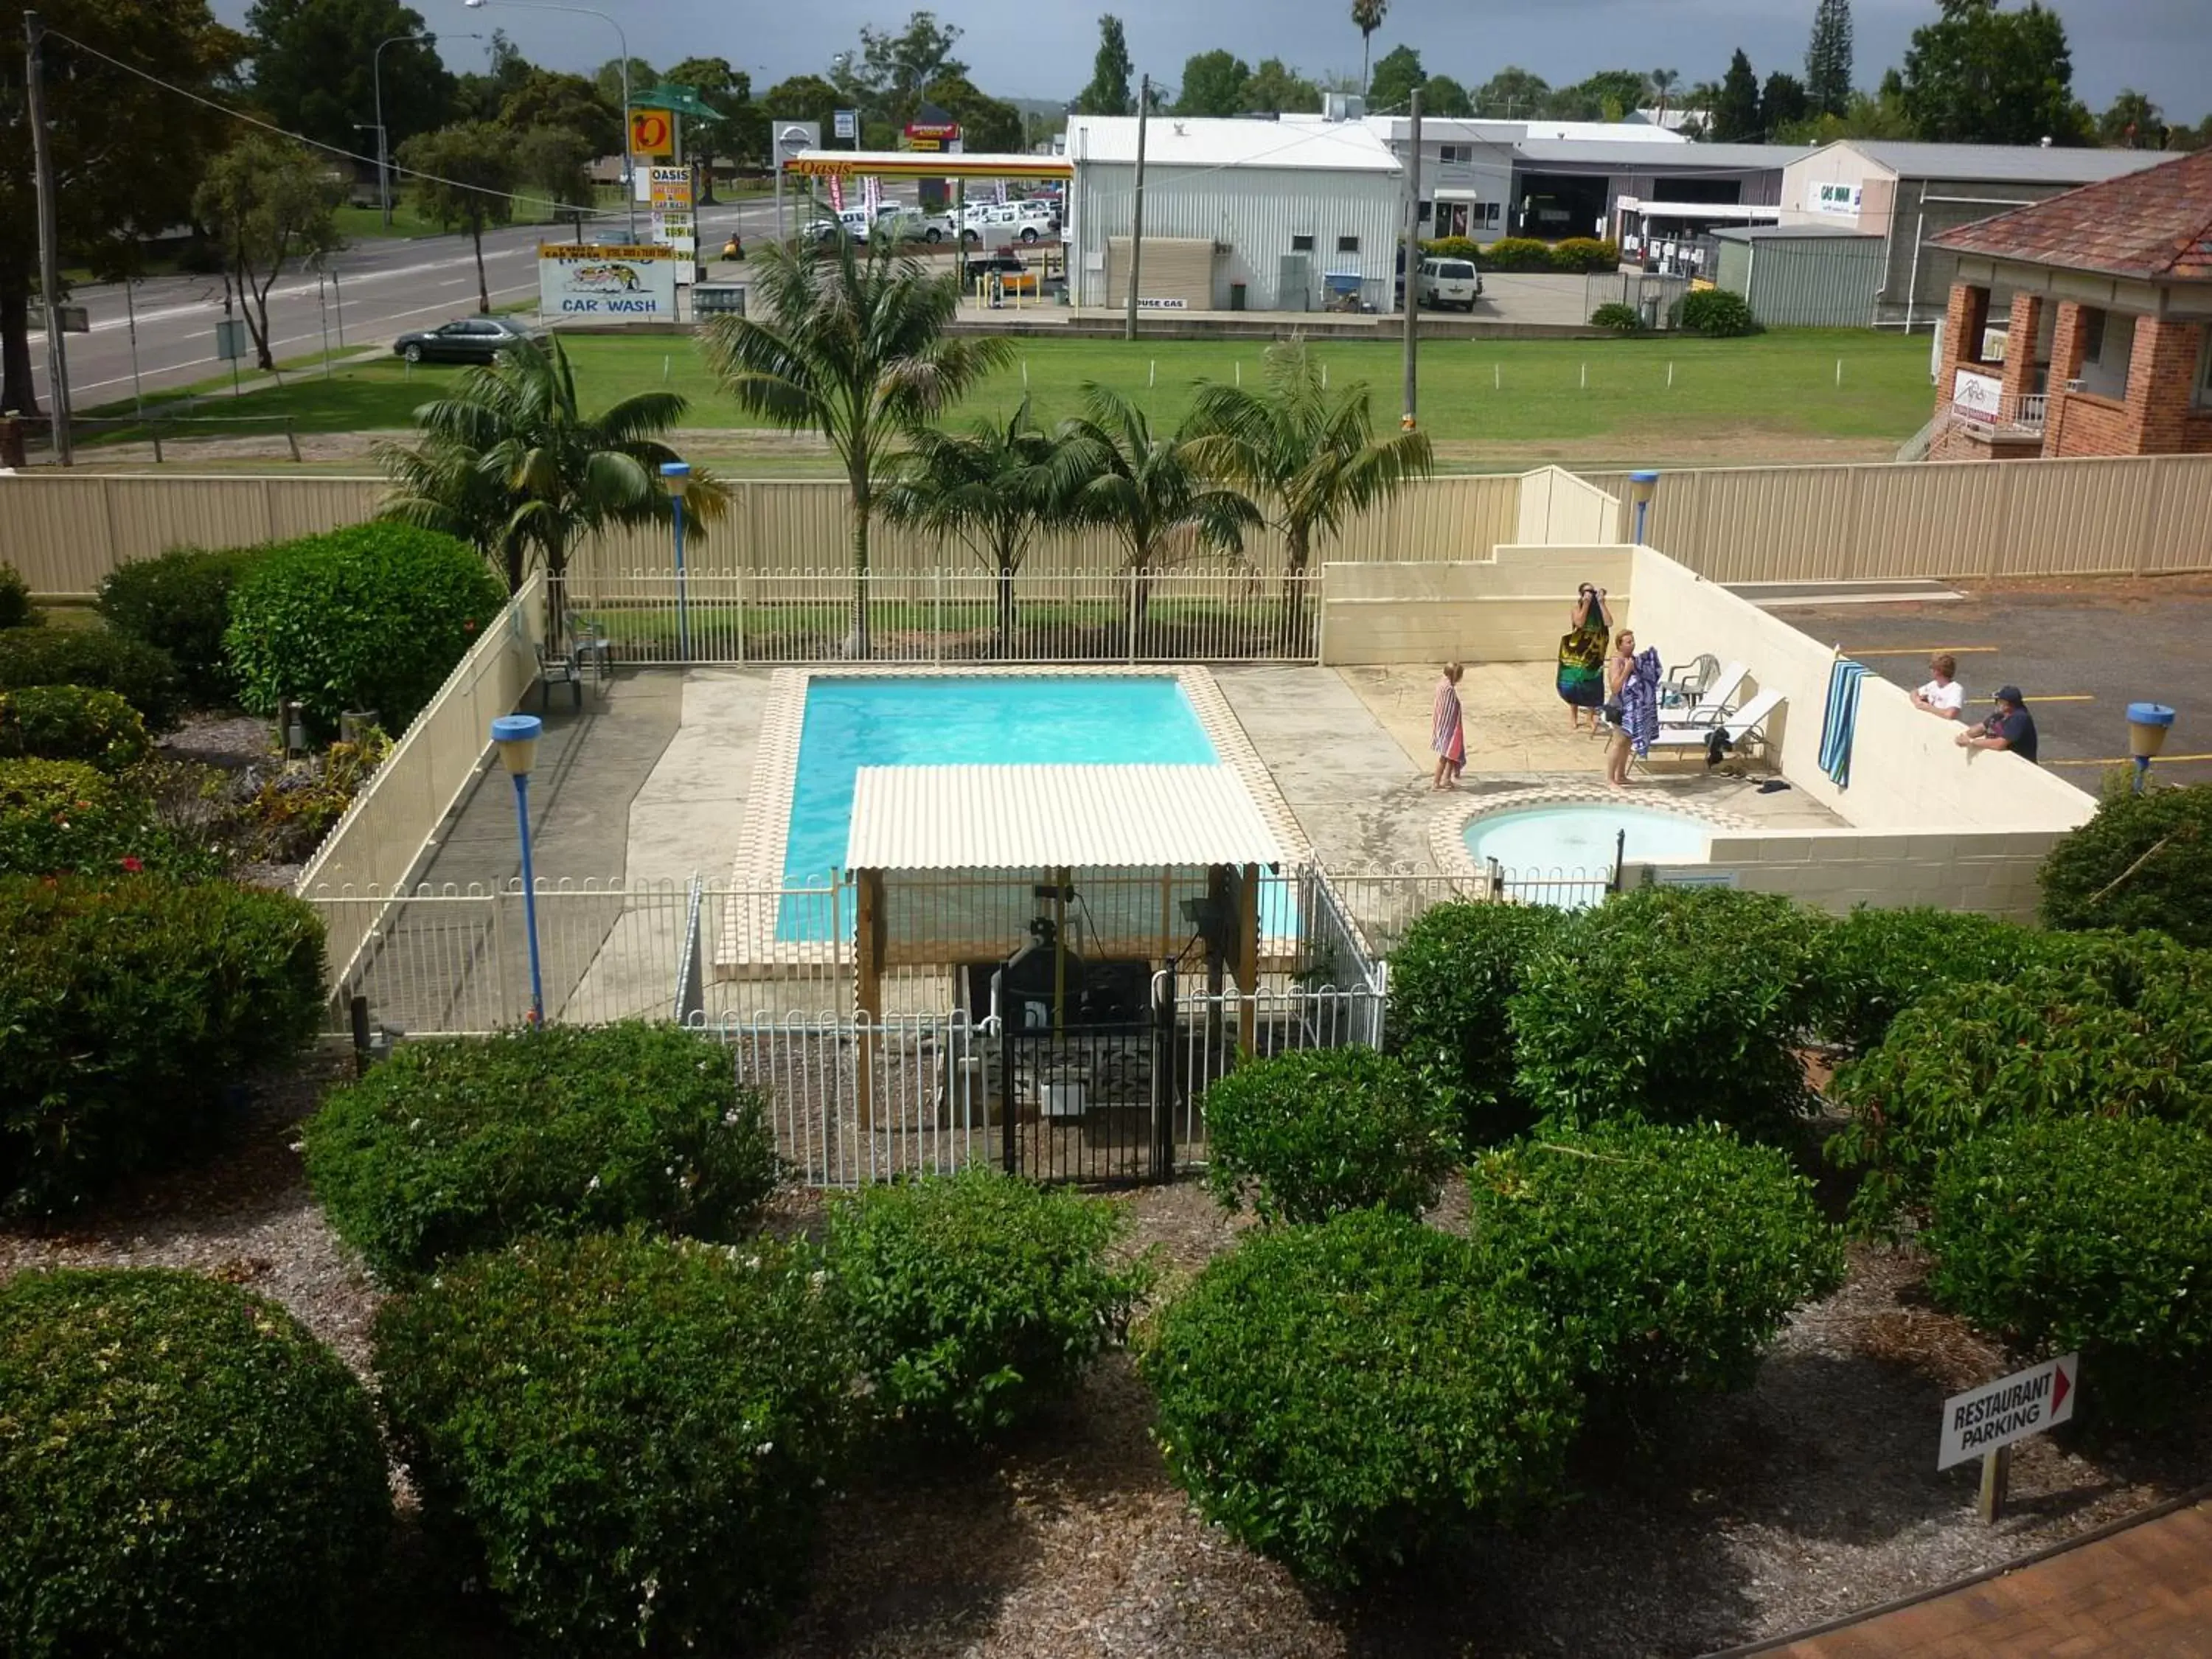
1236	296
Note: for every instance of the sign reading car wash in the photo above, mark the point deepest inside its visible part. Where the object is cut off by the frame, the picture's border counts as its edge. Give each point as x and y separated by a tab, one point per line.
2011	1408
669	189
619	283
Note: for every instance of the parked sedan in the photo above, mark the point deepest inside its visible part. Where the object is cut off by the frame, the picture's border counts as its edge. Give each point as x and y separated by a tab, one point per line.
466	340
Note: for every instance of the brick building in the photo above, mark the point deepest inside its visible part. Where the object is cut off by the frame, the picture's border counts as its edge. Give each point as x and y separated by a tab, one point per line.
2083	325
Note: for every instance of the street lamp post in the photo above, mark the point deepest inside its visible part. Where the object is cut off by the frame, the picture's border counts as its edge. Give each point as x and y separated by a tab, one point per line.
376	73
676	476
629	185
516	737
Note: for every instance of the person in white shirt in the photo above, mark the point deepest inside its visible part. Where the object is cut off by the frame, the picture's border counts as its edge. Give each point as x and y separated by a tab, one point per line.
1943	696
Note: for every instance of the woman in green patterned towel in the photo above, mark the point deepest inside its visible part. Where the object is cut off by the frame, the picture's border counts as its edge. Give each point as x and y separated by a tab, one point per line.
1582	655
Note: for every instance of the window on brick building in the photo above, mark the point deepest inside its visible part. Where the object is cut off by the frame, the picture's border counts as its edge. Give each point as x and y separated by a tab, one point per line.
2205	368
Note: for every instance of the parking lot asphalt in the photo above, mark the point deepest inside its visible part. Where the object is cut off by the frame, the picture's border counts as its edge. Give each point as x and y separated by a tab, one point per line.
2080	650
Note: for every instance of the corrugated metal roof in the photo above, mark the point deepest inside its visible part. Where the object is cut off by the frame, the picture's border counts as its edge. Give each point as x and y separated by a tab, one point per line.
1014	817
2155	225
2007	163
1783	233
1633	157
1209	141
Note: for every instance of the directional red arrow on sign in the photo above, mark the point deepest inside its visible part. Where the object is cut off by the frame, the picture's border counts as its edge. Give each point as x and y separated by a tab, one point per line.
2059	1386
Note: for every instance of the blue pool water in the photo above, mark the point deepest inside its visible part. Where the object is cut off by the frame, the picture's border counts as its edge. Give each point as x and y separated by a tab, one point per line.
1573	841
989	720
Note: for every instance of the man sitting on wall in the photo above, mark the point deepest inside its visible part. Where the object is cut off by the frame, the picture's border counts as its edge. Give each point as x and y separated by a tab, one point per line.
1943	696
2010	727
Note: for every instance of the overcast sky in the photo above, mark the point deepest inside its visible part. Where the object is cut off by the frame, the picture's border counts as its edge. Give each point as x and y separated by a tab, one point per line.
1018	48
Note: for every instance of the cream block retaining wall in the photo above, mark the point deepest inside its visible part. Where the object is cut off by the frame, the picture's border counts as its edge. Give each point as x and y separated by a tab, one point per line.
1511	607
1561	509
1836	869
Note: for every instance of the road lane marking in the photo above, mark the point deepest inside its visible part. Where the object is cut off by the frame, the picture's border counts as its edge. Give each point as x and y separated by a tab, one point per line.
2162	760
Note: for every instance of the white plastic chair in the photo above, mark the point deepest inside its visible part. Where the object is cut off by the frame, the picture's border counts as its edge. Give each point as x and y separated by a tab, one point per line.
1744	723
1713	703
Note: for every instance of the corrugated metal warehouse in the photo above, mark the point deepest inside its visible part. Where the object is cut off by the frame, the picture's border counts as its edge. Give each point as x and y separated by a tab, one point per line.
1282	214
1801	276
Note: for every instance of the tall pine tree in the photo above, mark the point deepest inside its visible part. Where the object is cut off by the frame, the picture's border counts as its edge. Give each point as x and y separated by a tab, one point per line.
1828	57
1108	92
1735	112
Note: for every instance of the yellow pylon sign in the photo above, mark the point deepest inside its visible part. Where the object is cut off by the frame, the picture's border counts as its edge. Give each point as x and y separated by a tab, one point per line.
652	132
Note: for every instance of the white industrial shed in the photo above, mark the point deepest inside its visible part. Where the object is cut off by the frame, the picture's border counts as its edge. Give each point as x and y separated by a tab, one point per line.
1281	215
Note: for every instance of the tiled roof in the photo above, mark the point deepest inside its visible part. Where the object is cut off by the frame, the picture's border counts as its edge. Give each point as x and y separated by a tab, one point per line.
2156	225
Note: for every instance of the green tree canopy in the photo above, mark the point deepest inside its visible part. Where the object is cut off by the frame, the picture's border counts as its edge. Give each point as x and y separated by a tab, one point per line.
480	95
1782	102
1442	95
803	98
1279	89
1109	92
315	65
607	80
1214	83
266	201
727	90
2133	121
1512	92
1736	114
1828	57
1367	18
1396	73
551	162
988	125
1607	95
1979	75
468	175
896	67
547	98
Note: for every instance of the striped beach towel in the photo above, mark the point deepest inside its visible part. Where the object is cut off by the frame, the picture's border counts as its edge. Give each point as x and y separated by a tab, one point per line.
1842	719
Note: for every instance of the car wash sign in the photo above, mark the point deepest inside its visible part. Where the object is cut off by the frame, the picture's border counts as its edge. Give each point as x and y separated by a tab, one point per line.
617	283
2011	1408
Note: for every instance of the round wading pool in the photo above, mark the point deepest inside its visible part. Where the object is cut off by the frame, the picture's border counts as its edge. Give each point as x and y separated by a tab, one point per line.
1573	845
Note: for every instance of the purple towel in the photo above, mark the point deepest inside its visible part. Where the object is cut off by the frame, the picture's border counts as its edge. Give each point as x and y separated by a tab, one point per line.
1639	702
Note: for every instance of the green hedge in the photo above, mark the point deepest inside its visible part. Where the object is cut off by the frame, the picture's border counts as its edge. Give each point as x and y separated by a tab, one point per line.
977	1298
625	1439
451	1147
1619	318
180	601
1452	247
1875	963
1584	255
1450	982
126	1009
373	616
1716	312
184	1471
99	659
16	609
2085	1233
1518	253
1677	1005
1342	1398
1669	1256
65	817
1314	1133
2144	861
72	723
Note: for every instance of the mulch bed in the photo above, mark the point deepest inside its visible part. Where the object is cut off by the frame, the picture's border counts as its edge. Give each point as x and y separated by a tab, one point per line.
1813	1494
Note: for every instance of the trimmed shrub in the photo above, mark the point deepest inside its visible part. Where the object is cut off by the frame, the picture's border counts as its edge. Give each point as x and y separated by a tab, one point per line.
99	659
1452	247
1518	253
1450	980
451	1147
184	1470
71	723
65	817
625	1439
1875	963
1677	1005
2143	861
2087	1233
1716	312
126	1010
180	601
373	616
1583	254
1342	1398
976	1298
16	609
1669	1255
2120	1027
1620	319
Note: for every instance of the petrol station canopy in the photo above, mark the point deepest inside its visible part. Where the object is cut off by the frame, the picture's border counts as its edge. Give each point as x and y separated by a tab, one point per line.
924	164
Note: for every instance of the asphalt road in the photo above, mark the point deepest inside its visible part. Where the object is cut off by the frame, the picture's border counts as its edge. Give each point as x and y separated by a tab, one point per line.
384	287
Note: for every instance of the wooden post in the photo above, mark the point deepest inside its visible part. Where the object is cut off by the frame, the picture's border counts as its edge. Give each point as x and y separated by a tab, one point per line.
1996	1475
869	977
1217	901
1248	956
1060	881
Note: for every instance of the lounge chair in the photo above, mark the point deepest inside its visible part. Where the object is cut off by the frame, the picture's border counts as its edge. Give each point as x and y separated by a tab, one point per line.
1713	703
1746	722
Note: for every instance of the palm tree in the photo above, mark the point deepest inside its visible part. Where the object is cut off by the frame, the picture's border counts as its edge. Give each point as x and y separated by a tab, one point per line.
1663	81
994	487
854	348
509	462
1311	455
1367	15
1150	492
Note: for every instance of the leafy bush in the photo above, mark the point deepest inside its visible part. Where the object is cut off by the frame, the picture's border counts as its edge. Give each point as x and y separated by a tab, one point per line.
450	1147
65	817
1716	312
1452	247
373	616
976	1298
624	1438
1677	1005
2143	861
71	723
1518	253
184	1470
1583	254
126	1009
16	609
1669	1255
299	805
1875	963
1320	1131
1450	981
2087	1233
100	661
180	601
2118	1027
1343	1397
1620	319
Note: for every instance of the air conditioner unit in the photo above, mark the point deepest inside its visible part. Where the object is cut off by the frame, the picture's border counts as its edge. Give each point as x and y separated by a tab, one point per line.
2076	385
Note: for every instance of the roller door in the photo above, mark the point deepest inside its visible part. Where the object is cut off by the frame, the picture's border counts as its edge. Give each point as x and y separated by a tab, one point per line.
1178	271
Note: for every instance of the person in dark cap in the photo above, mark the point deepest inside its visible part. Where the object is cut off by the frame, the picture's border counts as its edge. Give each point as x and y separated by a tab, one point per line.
2009	727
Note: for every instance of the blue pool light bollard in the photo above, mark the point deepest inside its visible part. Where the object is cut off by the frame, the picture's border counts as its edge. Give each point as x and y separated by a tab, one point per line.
516	737
1642	487
675	475
2148	725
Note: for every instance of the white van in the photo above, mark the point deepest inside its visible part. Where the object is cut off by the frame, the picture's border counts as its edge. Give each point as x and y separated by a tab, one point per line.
1449	283
856	220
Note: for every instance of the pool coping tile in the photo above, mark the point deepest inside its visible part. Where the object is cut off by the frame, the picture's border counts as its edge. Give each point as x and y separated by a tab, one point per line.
1447	831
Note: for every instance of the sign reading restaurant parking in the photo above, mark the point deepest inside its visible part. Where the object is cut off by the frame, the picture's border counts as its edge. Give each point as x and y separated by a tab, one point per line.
2011	1408
627	284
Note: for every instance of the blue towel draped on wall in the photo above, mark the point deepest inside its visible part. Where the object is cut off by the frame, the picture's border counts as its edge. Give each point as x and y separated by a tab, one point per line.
1842	721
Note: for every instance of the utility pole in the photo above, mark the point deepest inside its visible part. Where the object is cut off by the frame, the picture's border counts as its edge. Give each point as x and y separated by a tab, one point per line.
1137	208
50	271
1408	419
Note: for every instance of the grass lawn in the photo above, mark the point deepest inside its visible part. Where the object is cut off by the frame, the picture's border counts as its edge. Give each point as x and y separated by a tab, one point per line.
1504	391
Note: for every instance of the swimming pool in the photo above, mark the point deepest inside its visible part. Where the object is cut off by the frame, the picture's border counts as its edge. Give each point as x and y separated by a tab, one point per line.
1580	838
998	719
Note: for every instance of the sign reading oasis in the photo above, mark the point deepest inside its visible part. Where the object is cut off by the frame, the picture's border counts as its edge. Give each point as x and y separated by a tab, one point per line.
623	283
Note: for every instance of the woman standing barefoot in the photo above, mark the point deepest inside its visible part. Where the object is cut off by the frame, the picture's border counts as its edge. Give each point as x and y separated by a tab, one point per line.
1448	730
